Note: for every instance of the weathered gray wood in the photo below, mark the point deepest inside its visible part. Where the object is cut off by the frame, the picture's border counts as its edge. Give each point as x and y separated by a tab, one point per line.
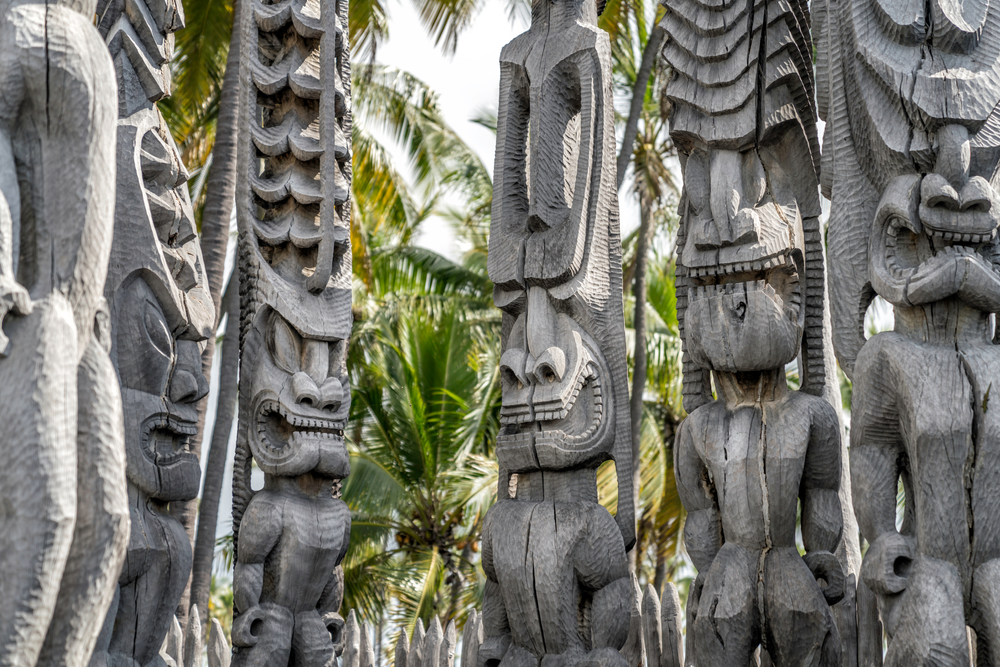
661	628
161	316
910	95
558	585
64	517
293	210
219	653
751	273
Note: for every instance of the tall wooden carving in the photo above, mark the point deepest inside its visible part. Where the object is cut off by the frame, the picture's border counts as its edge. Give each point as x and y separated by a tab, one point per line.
751	300
161	314
555	560
911	96
295	286
63	517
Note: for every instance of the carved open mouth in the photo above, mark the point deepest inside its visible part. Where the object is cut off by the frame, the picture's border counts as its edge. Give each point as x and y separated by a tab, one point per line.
277	427
555	415
740	271
167	440
776	277
898	224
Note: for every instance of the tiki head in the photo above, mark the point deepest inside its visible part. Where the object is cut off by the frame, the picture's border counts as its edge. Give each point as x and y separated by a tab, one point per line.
912	155
742	118
162	312
555	254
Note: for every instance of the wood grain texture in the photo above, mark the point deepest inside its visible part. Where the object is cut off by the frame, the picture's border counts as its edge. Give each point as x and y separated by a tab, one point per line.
752	298
293	210
161	316
64	518
558	589
910	95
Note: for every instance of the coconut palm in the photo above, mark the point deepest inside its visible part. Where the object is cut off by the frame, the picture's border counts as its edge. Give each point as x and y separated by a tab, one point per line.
425	414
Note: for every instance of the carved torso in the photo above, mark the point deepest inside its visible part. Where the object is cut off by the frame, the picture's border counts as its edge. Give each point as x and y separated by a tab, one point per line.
157	565
751	450
550	558
312	537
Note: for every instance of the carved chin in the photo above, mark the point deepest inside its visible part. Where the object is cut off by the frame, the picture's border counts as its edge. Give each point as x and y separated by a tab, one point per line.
741	327
286	443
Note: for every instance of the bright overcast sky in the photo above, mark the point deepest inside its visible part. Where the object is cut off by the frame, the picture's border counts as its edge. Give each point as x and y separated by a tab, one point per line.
465	83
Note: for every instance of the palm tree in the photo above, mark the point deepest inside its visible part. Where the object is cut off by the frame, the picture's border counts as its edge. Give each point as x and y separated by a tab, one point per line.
425	414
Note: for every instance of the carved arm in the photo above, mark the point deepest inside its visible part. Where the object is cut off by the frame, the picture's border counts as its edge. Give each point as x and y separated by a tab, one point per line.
260	531
703	527
822	516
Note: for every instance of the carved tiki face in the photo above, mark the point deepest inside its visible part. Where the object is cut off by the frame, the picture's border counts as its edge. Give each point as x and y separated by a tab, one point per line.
741	117
300	402
743	250
162	312
555	254
295	254
912	106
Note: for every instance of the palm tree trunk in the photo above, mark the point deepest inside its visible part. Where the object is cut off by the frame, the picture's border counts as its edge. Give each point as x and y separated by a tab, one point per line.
204	546
639	366
649	53
219	200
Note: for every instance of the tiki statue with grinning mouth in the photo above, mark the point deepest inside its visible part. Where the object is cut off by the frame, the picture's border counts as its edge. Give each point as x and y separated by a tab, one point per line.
911	95
558	590
750	297
293	209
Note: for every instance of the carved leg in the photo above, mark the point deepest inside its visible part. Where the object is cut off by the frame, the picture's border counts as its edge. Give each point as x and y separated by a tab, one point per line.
38	475
694	599
986	613
927	619
102	518
727	628
799	629
311	645
271	630
610	612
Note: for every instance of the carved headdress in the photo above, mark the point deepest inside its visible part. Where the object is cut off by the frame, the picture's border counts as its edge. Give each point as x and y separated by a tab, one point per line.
742	82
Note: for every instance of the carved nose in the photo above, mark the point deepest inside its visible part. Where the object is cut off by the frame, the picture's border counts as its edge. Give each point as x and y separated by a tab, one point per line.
329	396
187	384
550	366
185	388
736	223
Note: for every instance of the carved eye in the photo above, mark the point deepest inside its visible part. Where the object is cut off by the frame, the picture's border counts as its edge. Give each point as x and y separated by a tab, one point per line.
156	329
285	345
696	181
754	179
338	350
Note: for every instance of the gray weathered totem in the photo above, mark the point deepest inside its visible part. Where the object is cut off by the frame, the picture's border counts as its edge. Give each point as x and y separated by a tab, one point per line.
751	299
161	316
293	208
558	585
911	95
64	520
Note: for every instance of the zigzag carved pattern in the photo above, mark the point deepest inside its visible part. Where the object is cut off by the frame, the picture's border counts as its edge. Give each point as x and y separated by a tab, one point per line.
294	145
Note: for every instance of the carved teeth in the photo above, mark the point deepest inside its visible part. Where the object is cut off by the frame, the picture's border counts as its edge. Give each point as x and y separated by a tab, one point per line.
304	427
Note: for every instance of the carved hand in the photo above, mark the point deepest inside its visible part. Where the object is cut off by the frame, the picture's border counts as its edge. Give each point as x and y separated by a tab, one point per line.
981	288
887	563
13	298
824	565
938	277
